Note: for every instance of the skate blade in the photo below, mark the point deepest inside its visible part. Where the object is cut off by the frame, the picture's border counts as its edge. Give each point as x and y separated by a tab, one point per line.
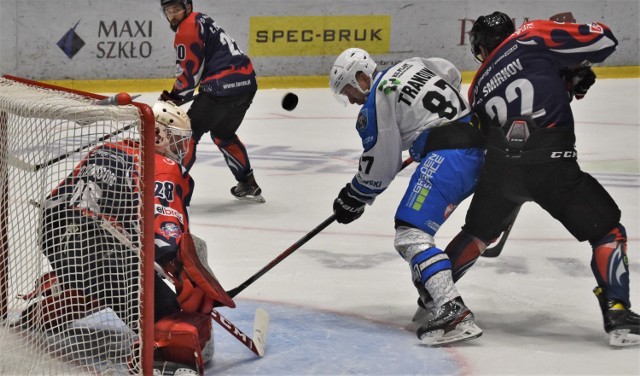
464	331
257	198
623	338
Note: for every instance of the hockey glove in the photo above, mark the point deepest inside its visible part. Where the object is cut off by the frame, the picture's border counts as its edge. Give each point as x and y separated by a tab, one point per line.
346	207
578	80
171	97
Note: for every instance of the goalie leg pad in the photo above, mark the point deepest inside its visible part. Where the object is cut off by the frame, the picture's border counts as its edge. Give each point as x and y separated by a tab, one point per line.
53	312
184	338
193	255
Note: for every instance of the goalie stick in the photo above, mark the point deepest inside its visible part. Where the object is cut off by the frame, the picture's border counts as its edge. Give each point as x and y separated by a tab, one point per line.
497	249
260	324
235	291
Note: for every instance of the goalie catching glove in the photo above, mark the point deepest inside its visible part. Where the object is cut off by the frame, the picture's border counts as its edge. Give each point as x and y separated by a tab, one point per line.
197	288
346	207
578	80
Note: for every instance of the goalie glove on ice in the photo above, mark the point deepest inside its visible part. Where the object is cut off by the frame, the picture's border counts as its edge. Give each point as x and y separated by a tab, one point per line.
578	80
346	207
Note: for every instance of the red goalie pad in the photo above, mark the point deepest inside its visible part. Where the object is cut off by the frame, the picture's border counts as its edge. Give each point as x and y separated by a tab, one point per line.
194	260
184	338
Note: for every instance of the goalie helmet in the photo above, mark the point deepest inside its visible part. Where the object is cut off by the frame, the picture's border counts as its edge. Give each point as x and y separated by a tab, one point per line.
345	68
173	130
488	32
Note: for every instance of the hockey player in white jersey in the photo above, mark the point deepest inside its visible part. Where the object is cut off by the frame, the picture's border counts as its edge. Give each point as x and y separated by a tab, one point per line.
414	105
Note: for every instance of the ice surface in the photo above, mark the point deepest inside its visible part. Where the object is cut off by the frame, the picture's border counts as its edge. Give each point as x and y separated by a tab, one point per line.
342	303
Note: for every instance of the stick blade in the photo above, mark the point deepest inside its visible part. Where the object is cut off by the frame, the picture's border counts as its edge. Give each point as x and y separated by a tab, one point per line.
260	328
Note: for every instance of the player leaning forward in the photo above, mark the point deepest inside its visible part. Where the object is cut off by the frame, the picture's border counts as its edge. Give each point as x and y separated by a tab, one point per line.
86	219
520	92
414	105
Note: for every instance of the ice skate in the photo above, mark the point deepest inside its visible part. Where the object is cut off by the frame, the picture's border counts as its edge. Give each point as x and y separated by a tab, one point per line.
161	368
248	190
454	322
622	324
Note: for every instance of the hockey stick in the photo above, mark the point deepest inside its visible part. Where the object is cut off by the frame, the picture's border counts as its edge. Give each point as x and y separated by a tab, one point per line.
235	291
497	249
80	148
260	325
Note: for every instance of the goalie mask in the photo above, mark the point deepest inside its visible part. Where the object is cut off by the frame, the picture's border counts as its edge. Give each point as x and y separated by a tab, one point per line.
345	68
488	32
173	130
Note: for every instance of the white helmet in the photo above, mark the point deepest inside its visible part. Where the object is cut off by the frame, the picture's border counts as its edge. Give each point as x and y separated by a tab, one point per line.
348	63
173	130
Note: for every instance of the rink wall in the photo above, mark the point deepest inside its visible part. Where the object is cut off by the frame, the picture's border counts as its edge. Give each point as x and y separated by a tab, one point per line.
291	42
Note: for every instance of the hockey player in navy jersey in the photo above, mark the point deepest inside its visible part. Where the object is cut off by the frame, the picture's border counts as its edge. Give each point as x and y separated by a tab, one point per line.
522	92
415	105
206	56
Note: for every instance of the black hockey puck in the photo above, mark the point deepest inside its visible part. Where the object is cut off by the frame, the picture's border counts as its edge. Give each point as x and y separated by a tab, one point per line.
290	101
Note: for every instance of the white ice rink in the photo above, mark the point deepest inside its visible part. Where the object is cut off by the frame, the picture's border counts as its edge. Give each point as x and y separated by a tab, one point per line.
342	304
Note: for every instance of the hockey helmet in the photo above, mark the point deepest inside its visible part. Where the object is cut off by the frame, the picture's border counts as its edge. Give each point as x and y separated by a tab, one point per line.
488	32
344	70
173	130
170	13
165	3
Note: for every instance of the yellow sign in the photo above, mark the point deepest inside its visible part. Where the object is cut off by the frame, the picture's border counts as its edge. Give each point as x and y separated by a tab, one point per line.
318	35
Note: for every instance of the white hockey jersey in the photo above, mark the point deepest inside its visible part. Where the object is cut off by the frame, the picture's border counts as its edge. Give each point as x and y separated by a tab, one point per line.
413	95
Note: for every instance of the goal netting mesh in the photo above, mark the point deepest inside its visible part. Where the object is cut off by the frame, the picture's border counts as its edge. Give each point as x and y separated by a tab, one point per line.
71	239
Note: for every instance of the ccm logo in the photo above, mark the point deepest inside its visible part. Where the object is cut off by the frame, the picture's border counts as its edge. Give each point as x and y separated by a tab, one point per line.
564	154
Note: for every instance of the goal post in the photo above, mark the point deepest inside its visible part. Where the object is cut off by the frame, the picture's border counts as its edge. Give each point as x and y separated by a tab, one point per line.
76	241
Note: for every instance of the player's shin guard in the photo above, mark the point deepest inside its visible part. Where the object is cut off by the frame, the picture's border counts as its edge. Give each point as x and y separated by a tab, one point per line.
610	265
235	154
463	251
432	269
452	321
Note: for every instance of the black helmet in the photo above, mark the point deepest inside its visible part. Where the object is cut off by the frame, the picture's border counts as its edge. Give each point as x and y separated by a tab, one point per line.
488	32
164	3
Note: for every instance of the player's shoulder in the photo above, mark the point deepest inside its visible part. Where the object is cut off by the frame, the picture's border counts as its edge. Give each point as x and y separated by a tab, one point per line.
189	25
167	166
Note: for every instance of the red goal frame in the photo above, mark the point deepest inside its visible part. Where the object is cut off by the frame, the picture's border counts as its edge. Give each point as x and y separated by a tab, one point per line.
147	132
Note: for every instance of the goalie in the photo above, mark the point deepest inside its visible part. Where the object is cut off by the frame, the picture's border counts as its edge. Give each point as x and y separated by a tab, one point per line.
90	227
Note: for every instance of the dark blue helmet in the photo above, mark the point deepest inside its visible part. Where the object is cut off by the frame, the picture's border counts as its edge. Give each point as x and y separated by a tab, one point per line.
488	32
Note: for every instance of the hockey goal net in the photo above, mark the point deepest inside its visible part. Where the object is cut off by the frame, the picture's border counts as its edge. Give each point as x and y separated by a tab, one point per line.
76	284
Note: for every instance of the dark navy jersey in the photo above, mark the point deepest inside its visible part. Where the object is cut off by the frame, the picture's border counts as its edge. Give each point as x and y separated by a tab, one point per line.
523	75
207	56
105	185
